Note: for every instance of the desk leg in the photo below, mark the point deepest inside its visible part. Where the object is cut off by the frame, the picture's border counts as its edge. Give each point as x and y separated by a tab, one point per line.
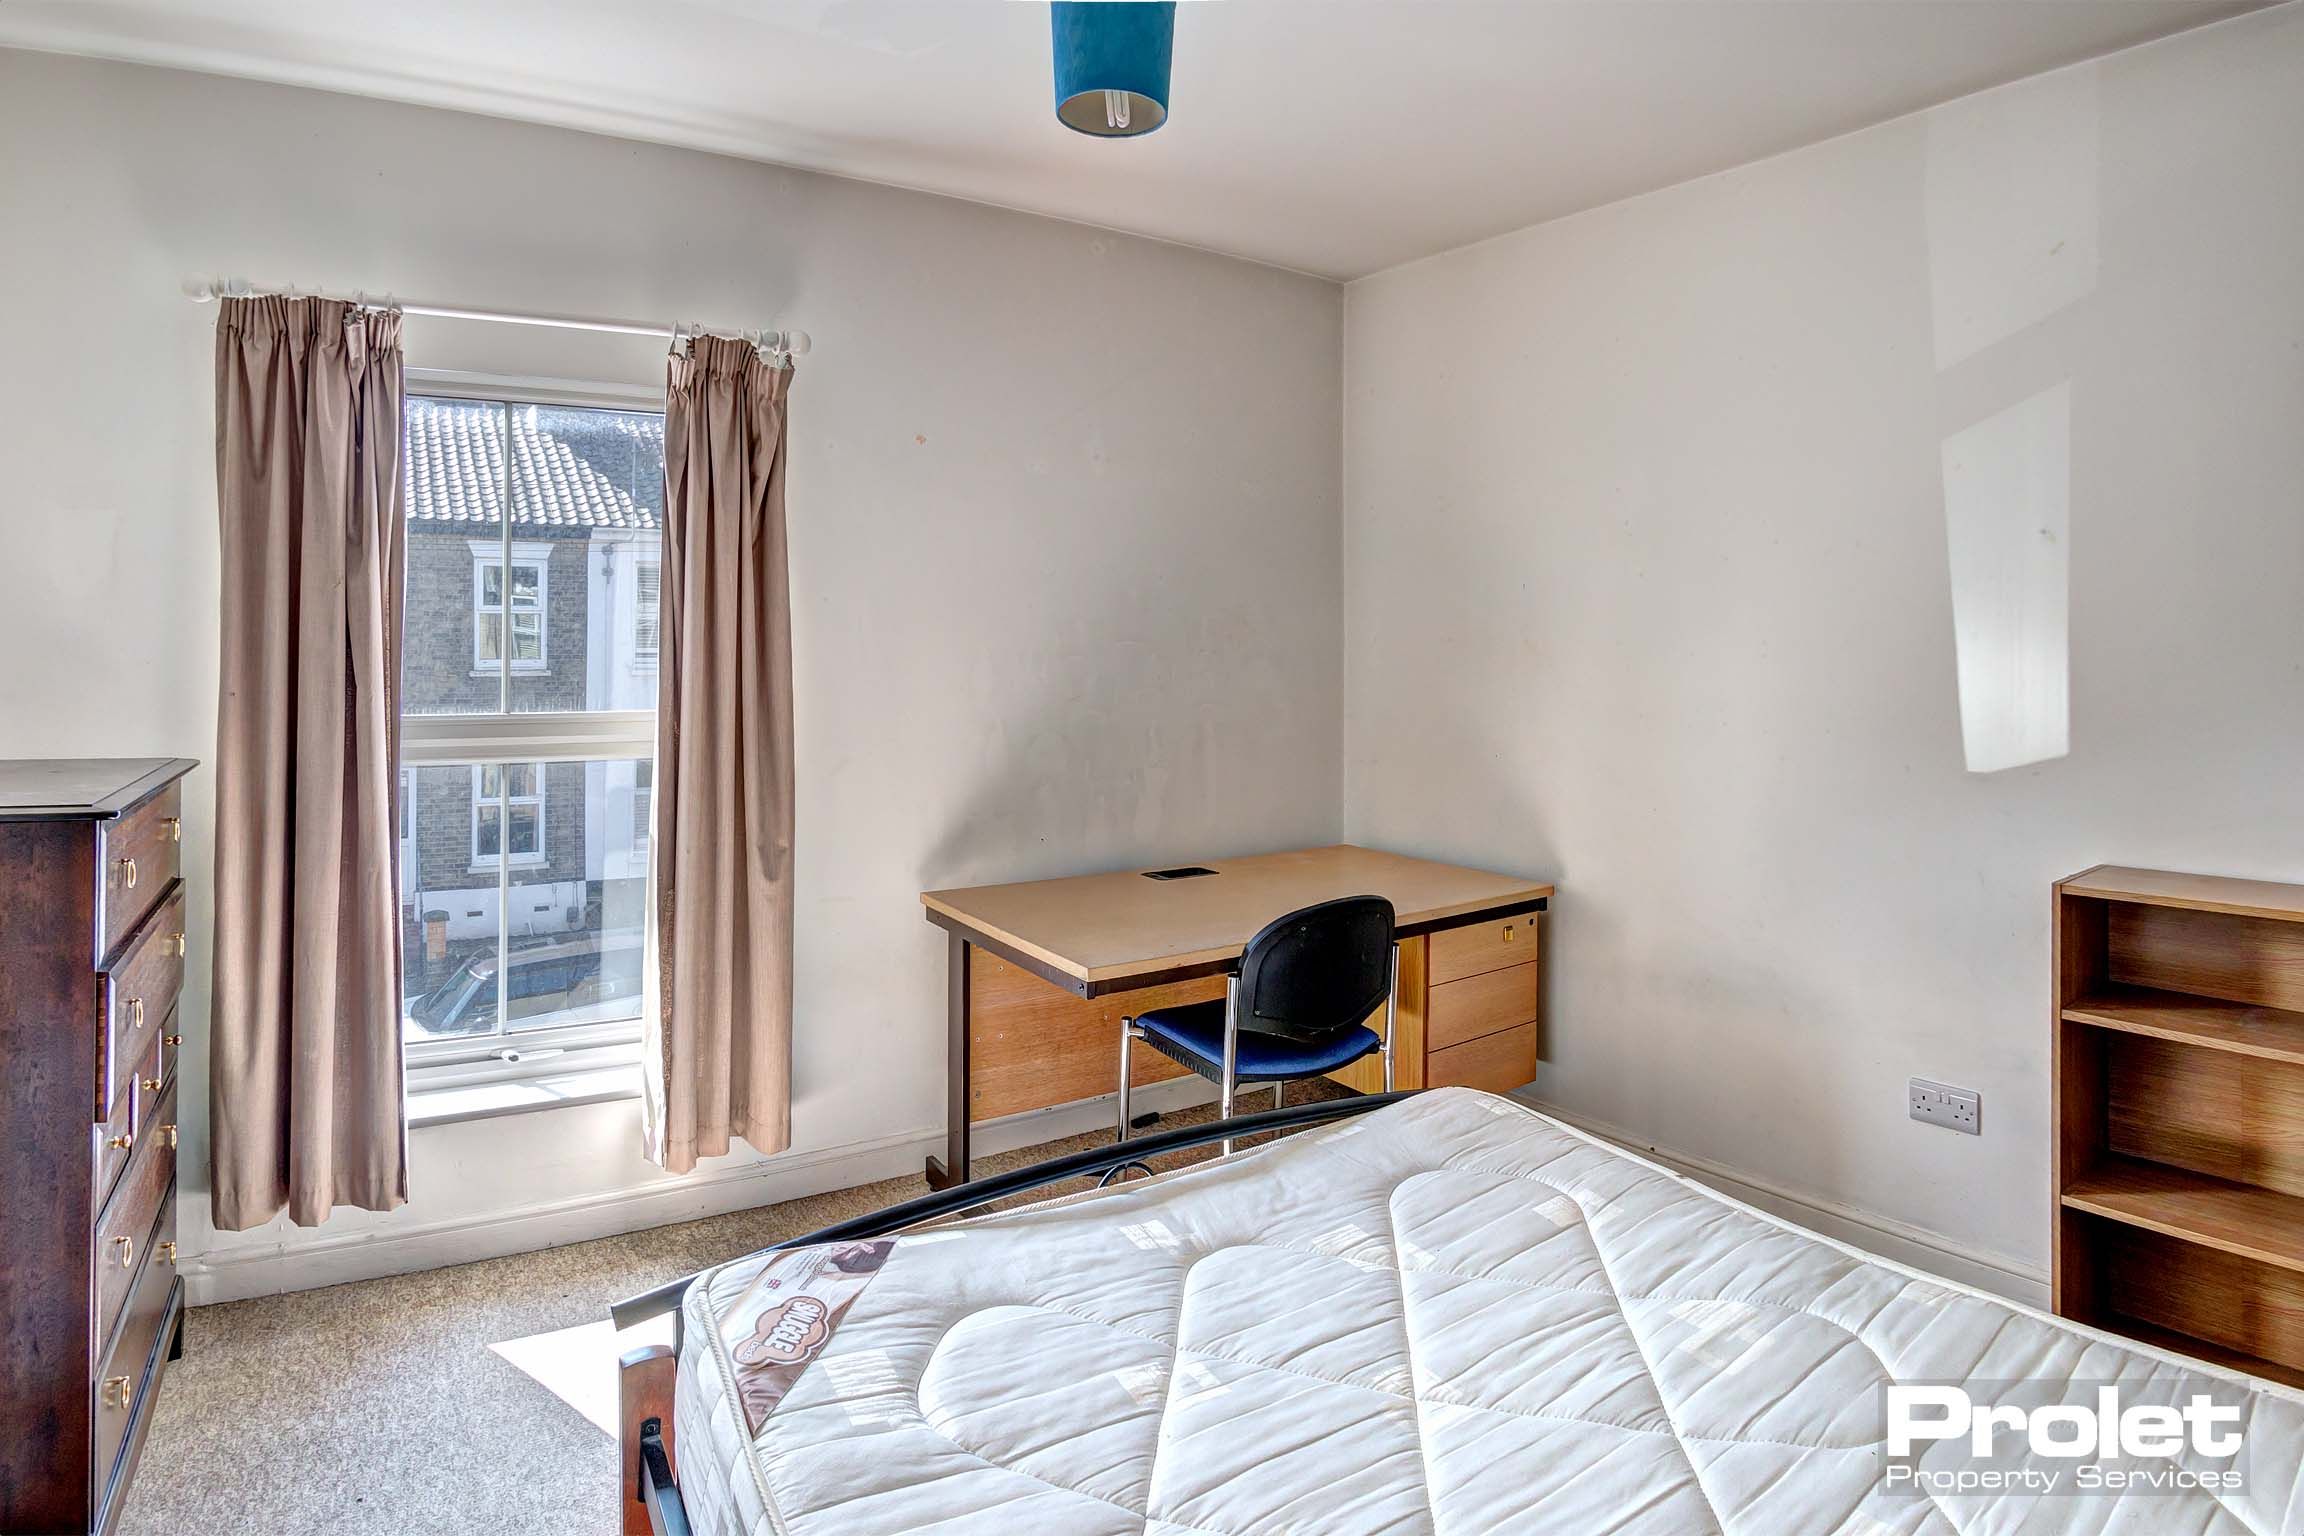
952	1167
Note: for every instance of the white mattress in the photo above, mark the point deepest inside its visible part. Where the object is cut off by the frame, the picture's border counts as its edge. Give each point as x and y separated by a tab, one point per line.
1453	1315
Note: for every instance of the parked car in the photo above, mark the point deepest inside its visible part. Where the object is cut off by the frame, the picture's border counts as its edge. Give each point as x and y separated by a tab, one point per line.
591	979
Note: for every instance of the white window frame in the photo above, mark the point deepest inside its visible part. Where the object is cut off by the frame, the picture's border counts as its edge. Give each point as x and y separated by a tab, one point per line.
482	863
507	1072
644	657
490	552
643	803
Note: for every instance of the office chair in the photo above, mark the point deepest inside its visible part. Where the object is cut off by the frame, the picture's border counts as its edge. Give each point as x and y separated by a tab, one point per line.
1292	1008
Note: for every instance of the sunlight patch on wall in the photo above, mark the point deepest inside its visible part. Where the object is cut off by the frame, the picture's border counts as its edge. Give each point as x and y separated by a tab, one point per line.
2014	232
2008	524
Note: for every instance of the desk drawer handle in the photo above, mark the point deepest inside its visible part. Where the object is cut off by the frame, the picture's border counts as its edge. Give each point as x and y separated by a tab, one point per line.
175	945
126	1143
175	826
116	1391
1507	933
128	873
168	1137
168	1254
171	1041
135	1013
127	1247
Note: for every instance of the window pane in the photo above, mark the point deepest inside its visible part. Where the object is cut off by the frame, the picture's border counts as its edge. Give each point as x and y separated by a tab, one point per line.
527	830
454	464
449	913
527	637
586	494
534	583
577	918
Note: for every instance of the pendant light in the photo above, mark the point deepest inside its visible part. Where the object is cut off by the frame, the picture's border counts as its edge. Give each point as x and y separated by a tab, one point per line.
1112	64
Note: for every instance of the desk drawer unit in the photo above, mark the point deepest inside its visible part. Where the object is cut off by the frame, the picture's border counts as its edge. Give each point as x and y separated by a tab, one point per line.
1470	999
92	945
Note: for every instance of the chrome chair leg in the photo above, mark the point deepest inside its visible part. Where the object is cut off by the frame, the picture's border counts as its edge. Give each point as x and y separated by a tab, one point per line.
1127	1035
1391	1014
1231	1053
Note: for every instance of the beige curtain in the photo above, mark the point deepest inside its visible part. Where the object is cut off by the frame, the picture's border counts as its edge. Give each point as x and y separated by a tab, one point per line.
720	1031
305	1106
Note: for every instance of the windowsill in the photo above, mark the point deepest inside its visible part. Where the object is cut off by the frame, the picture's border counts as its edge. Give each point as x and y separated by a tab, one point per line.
490	866
519	669
546	1090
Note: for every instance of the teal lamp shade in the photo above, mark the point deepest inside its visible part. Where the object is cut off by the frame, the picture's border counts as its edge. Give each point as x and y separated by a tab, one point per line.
1112	64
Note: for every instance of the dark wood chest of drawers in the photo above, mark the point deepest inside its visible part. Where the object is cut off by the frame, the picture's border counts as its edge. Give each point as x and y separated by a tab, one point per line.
92	943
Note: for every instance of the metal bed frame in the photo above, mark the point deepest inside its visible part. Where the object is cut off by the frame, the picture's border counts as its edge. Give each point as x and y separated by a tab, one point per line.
651	1501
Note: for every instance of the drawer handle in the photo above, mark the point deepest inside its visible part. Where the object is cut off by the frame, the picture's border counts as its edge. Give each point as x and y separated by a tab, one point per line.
175	945
1507	933
168	1254
128	873
126	1143
171	1041
116	1391
169	1132
175	826
151	1085
136	1013
127	1247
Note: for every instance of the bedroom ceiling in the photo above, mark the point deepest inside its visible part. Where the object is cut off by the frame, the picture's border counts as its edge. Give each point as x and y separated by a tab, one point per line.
1336	137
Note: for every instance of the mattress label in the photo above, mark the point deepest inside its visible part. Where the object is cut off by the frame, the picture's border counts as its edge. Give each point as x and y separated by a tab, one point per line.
786	1313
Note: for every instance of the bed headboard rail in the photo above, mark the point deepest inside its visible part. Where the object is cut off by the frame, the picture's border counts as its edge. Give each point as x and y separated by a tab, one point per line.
945	1203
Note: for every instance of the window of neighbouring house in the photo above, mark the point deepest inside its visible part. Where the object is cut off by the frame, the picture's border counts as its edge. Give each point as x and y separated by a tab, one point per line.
508	607
647	589
528	686
507	813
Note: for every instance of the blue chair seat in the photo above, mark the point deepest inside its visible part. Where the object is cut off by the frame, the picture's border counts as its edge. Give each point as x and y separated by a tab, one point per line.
1193	1036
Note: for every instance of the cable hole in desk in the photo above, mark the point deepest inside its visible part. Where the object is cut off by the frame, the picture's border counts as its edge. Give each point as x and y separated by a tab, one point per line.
1183	872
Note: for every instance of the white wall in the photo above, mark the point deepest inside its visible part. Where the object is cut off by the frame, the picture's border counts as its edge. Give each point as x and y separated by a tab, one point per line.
1648	589
1065	539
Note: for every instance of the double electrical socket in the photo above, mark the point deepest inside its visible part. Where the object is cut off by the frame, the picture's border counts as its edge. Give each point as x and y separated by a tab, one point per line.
1959	1109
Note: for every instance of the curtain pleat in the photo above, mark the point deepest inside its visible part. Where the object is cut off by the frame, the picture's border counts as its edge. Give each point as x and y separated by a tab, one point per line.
306	1103
719	1036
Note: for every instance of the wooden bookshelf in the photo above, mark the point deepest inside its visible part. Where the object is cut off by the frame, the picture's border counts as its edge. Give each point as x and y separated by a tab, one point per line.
2179	1117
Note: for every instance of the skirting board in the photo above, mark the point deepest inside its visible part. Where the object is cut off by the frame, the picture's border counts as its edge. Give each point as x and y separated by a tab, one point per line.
1901	1241
239	1273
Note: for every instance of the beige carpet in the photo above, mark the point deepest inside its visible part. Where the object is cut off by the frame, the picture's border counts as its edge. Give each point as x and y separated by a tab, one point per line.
381	1409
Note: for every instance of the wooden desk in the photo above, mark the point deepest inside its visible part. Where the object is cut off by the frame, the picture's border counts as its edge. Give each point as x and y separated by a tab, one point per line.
1042	971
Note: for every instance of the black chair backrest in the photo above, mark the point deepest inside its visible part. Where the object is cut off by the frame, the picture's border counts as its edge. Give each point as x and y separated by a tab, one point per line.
1318	970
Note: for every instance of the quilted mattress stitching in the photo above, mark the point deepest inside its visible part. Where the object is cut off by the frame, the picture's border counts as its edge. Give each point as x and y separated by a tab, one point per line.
1639	1346
1601	1210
